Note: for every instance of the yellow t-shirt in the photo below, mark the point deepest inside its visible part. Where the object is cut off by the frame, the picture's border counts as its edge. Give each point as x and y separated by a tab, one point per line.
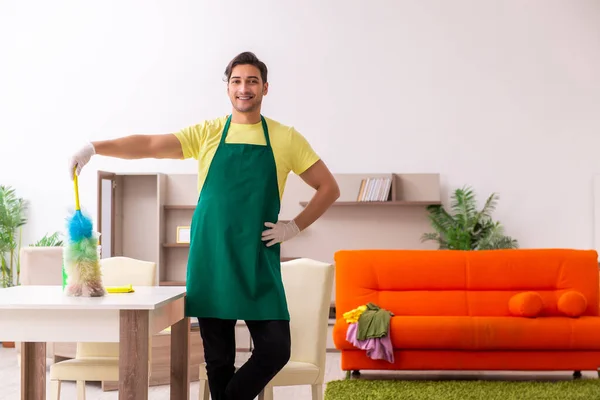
291	150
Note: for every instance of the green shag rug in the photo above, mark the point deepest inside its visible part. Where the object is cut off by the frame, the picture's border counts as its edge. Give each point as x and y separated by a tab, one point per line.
366	389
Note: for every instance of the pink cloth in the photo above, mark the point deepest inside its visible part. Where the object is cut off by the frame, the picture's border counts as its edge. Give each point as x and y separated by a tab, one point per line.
377	348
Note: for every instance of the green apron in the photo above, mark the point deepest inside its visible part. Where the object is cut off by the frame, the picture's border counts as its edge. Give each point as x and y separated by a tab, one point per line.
231	273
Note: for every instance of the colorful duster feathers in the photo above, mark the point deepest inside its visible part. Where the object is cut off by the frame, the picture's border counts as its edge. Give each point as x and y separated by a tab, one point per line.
81	255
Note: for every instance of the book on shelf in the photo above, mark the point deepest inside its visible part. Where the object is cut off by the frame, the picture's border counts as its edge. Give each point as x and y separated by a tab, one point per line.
375	189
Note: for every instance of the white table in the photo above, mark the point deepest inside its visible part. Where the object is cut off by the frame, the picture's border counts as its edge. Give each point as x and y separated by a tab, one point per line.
35	315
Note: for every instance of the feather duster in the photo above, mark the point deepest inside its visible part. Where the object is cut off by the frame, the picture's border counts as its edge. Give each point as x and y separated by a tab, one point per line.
81	258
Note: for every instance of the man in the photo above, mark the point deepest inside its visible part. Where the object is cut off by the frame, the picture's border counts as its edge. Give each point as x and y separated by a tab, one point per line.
234	261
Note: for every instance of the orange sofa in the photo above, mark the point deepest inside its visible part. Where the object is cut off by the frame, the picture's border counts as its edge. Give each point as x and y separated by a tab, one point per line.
519	309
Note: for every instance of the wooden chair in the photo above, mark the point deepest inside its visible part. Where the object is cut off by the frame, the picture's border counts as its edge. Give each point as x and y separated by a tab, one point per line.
308	286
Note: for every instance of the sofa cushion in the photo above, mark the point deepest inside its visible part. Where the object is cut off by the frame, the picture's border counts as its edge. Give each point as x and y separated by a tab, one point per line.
486	333
526	304
572	303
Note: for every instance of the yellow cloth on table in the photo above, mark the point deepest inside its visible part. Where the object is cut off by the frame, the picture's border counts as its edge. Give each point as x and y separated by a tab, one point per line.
120	289
353	315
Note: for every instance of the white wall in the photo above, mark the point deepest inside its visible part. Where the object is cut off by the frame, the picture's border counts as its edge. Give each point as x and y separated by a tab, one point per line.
504	96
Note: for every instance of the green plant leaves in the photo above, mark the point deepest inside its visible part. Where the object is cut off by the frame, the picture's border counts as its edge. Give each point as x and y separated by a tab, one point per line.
12	218
466	228
49	241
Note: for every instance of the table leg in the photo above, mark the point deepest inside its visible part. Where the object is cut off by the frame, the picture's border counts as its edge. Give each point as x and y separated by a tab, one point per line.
180	362
33	371
133	355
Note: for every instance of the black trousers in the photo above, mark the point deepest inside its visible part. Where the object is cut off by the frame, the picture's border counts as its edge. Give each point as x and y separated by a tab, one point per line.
272	347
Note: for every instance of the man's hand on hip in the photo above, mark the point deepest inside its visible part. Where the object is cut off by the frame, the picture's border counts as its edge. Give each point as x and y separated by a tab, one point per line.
279	232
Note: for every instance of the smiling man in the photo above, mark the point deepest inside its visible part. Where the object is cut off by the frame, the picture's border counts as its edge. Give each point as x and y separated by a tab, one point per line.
233	270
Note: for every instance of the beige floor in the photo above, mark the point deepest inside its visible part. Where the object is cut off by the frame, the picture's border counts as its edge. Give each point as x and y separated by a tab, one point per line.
10	380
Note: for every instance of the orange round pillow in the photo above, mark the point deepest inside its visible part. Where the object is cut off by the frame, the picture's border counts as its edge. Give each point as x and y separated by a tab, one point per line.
526	304
572	303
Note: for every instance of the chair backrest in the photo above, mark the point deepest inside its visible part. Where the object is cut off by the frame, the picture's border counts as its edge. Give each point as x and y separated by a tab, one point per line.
308	285
41	265
119	271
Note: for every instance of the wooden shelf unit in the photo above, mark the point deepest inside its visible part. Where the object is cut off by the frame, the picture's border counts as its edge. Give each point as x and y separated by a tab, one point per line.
378	203
179	207
138	215
172	283
184	245
405	190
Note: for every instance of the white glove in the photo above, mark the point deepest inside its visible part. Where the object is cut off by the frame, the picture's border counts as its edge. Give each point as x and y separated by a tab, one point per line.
279	232
80	158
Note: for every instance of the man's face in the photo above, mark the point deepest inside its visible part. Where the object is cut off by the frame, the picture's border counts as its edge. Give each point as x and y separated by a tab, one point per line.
246	88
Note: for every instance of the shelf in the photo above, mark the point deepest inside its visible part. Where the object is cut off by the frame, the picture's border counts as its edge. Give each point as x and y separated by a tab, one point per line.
176	245
379	203
172	283
179	207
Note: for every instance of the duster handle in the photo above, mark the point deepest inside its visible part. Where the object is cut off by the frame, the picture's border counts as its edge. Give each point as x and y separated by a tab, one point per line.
77	208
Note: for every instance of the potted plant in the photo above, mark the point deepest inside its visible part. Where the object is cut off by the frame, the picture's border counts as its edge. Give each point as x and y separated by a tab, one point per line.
48	240
466	228
12	219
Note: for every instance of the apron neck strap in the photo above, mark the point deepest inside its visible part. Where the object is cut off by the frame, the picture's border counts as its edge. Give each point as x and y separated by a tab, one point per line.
264	126
265	130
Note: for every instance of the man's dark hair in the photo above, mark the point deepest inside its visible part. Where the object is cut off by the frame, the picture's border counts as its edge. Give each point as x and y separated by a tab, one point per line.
244	59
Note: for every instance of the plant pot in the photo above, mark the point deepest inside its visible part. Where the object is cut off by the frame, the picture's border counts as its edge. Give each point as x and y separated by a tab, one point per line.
10	345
